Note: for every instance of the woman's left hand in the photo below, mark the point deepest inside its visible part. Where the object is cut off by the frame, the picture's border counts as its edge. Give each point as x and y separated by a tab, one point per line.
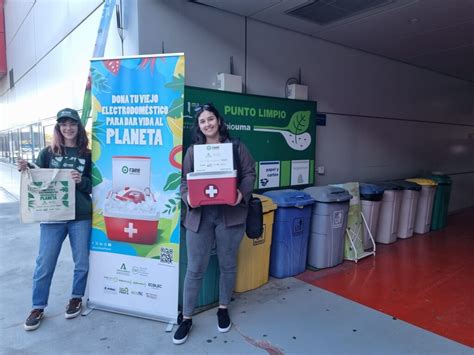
239	198
76	176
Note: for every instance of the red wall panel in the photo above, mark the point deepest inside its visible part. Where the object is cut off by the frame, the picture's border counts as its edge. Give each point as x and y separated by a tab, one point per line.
3	47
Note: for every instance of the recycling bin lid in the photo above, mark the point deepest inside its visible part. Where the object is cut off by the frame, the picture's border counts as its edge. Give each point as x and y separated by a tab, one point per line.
267	203
328	193
370	189
423	181
441	179
289	198
387	185
408	185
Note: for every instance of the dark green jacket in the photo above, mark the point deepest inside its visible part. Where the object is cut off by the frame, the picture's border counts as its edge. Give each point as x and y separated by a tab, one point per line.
71	160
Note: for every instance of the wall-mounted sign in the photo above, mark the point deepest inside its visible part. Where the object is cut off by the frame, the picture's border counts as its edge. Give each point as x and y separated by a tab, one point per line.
280	133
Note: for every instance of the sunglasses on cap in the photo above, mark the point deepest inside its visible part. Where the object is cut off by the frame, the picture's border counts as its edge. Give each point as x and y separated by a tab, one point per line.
207	106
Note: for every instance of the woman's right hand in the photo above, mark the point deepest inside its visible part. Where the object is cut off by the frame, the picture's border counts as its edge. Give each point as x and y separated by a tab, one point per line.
22	164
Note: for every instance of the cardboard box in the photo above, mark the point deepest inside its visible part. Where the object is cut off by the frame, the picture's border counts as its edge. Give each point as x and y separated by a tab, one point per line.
215	188
131	171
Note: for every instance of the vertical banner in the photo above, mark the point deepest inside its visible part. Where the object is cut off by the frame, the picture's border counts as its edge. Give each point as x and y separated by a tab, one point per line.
137	112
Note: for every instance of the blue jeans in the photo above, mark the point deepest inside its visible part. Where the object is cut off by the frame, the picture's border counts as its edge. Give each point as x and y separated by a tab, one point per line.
52	236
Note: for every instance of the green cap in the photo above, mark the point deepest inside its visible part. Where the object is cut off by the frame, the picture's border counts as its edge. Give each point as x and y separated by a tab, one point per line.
68	113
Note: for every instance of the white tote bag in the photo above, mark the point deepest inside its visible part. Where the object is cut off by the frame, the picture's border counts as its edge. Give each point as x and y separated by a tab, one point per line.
47	195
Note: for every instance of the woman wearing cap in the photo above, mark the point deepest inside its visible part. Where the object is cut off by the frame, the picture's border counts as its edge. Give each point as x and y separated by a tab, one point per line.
223	225
69	149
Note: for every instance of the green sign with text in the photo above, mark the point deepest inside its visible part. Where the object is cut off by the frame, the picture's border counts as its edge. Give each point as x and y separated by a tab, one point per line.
280	133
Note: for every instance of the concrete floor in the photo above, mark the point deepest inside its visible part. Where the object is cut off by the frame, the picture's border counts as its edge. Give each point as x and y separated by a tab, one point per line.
285	316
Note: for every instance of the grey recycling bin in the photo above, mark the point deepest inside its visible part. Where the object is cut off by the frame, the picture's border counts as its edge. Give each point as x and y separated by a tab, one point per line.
410	195
370	200
387	227
328	224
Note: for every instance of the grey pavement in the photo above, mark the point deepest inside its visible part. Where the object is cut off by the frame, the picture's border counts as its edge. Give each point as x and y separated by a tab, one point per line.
284	316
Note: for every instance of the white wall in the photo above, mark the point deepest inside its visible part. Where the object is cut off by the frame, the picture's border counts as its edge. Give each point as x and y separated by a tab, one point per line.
422	118
49	45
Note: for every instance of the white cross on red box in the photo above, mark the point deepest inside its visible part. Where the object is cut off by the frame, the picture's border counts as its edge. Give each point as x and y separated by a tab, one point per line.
130	230
211	191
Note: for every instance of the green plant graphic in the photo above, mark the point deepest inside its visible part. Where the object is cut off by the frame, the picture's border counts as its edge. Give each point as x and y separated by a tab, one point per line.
173	204
173	181
294	133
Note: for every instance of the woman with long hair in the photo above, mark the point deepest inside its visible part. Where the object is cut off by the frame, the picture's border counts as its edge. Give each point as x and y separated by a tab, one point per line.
68	150
223	225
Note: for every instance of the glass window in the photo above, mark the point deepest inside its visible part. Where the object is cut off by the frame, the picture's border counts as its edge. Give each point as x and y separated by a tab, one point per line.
48	131
26	143
5	147
37	139
14	145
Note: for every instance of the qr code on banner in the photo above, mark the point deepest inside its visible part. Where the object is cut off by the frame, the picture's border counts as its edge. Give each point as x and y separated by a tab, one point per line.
166	256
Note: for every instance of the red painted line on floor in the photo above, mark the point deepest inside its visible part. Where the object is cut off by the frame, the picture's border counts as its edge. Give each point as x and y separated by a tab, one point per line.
261	344
426	280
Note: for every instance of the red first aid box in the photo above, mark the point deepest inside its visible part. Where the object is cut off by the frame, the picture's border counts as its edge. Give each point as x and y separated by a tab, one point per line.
212	188
125	228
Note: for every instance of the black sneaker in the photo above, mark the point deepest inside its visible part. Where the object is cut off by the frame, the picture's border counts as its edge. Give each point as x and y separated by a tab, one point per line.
73	309
223	320
182	332
34	319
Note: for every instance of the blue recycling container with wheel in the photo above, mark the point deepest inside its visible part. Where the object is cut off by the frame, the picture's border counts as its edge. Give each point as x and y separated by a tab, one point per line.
291	227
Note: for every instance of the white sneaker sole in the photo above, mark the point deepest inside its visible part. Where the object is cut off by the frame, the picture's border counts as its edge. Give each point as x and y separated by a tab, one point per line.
224	330
33	327
72	315
181	341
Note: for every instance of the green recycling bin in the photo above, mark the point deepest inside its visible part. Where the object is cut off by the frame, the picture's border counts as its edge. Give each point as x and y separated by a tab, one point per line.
441	201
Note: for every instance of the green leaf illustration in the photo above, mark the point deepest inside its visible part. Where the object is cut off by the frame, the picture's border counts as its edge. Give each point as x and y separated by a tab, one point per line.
66	197
66	203
173	181
176	84
98	130
176	108
172	204
96	175
86	103
299	122
100	81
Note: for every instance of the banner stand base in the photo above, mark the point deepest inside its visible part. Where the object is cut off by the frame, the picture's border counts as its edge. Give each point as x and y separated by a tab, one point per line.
169	327
106	308
87	310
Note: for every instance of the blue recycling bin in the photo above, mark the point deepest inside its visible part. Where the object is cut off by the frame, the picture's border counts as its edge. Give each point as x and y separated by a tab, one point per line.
291	227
